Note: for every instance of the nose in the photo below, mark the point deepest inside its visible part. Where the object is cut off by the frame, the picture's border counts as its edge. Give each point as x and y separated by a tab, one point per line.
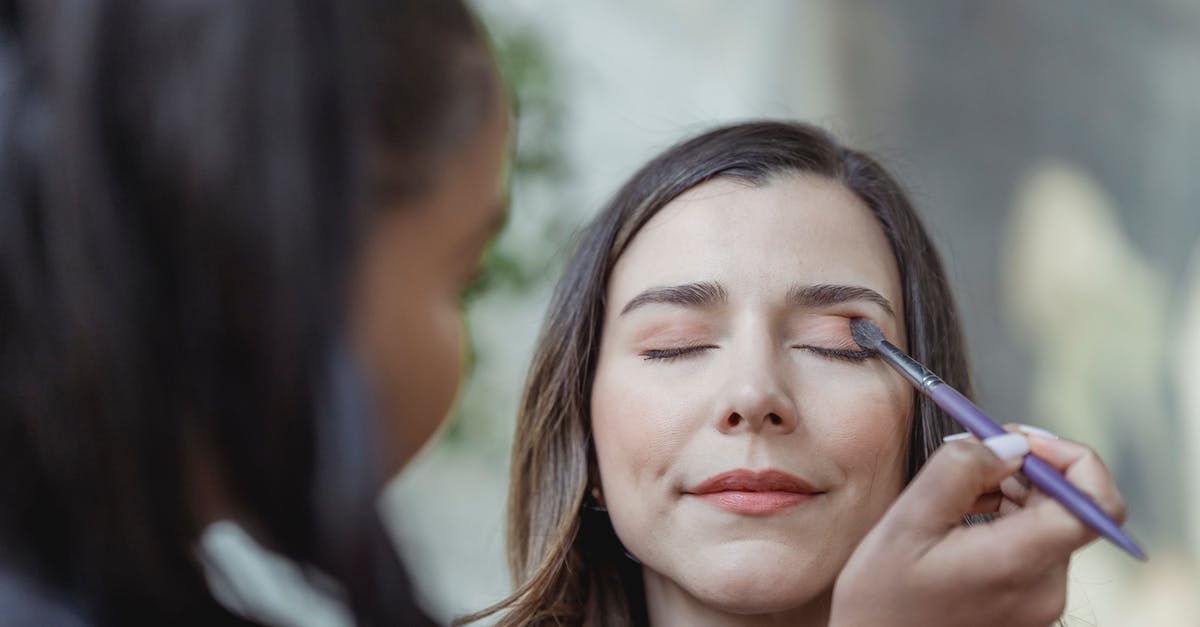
757	401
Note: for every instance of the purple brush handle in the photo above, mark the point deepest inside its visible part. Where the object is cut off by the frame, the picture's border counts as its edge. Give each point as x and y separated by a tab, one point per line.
965	412
1042	474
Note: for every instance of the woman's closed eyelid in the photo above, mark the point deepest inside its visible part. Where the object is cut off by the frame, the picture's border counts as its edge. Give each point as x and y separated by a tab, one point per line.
848	353
669	353
671	337
853	353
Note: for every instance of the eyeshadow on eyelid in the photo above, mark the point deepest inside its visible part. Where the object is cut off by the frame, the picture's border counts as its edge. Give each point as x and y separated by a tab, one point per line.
834	326
659	341
672	329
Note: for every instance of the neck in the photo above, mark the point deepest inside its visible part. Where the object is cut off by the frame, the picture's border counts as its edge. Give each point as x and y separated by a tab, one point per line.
669	605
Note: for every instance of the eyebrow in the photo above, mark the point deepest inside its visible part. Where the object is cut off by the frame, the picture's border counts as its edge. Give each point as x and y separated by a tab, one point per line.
707	294
695	295
825	295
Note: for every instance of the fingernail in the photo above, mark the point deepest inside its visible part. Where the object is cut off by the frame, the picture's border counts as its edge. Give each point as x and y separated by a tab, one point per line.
956	436
1008	445
1032	430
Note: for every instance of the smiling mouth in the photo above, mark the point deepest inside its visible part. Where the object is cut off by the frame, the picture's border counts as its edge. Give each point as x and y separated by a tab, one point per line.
754	493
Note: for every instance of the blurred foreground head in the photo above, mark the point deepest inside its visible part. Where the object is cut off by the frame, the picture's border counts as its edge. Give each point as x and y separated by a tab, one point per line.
205	220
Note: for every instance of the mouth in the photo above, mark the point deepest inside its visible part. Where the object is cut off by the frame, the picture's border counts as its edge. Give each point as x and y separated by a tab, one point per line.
754	493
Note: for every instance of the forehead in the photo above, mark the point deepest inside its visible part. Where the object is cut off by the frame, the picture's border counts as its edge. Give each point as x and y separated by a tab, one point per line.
758	240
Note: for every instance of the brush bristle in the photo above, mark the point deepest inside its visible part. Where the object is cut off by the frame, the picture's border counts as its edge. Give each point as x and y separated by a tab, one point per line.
866	333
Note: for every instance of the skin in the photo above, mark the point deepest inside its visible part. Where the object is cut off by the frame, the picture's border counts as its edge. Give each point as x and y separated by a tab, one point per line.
750	394
418	257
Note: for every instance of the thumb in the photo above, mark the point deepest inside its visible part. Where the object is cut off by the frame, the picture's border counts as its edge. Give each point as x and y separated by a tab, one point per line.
953	479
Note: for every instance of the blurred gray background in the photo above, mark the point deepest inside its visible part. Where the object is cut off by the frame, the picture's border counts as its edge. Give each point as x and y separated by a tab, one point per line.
1051	147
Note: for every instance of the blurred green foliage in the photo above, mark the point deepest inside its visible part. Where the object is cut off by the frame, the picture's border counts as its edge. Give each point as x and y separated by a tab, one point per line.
512	265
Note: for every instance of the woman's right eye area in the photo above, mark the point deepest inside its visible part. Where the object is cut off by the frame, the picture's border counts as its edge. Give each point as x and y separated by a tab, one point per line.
668	354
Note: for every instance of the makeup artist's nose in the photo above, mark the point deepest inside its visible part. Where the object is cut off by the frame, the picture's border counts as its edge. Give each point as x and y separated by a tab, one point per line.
756	401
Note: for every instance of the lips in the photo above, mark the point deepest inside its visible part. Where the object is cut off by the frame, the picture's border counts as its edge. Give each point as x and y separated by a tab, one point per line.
755	493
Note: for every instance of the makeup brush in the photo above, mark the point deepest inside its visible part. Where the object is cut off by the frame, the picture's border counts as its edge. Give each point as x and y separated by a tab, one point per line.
959	407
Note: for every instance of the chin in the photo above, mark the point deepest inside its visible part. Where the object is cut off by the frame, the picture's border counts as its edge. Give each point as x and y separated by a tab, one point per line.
757	577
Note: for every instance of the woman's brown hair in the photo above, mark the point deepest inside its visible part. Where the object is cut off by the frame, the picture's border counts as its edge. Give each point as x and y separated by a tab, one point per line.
570	566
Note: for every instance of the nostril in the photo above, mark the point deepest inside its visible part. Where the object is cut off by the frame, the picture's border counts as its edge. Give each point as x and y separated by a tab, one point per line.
775	419
734	420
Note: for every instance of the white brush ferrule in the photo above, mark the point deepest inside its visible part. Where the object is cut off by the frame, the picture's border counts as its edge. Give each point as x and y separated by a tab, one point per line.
920	376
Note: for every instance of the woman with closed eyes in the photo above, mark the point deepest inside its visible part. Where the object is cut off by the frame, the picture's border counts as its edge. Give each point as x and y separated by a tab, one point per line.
702	442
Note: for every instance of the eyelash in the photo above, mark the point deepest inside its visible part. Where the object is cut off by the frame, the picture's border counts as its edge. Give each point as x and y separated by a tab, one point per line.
671	354
855	356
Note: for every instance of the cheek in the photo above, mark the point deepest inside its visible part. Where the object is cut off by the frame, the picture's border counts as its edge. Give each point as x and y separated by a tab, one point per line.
408	326
639	430
430	356
413	344
866	426
429	361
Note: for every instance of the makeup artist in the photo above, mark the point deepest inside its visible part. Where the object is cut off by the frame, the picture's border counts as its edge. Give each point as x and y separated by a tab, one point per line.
232	238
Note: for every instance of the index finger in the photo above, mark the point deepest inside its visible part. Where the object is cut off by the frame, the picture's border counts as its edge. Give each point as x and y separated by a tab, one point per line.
955	476
1046	530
